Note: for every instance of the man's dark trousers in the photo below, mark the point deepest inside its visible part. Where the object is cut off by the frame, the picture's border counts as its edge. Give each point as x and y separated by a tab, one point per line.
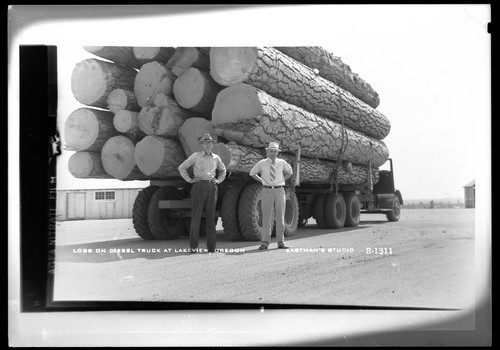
203	196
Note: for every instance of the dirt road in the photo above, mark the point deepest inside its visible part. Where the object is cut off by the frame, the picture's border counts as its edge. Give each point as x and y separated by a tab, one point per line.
424	260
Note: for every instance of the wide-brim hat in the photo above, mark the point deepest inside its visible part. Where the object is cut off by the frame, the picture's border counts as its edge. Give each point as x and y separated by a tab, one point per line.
206	137
273	146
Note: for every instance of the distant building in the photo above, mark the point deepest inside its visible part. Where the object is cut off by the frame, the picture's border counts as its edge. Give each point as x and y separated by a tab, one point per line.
470	194
94	204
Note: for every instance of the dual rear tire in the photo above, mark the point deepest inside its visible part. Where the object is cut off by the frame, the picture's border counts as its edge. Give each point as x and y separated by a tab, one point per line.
335	210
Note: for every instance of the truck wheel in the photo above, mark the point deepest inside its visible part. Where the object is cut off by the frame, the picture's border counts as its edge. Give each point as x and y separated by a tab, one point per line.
140	212
352	210
250	212
162	225
319	210
302	221
291	212
229	213
394	214
335	211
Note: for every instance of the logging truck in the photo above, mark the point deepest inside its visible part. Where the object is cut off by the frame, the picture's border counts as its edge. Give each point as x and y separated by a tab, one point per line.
163	210
146	109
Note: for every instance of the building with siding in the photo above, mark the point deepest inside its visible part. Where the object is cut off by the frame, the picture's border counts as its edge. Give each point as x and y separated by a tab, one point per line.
470	194
95	204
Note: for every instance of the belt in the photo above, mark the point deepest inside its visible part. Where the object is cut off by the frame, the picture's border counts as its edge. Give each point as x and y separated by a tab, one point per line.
206	181
273	186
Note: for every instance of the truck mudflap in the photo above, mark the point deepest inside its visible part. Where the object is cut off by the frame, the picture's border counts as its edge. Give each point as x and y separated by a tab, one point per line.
385	201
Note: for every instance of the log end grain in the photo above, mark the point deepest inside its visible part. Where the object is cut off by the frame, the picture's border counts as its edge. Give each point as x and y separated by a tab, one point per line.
86	165
191	131
189	88
231	65
150	54
152	79
118	157
88	81
81	129
223	152
235	103
159	157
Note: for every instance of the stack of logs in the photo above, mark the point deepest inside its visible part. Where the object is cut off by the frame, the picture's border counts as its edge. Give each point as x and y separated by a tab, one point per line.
146	107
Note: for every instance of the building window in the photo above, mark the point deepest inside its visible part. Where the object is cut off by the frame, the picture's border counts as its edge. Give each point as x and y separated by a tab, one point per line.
104	195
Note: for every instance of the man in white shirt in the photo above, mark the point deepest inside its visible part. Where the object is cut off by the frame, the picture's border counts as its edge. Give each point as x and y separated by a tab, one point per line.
204	191
274	171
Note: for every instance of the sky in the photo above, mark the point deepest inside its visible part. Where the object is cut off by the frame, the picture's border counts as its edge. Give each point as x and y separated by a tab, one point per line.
430	64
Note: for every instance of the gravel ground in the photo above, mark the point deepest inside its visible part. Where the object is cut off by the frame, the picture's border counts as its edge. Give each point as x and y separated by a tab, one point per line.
424	260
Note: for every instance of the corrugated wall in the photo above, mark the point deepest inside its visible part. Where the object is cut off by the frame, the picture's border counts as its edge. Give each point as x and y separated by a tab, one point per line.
83	205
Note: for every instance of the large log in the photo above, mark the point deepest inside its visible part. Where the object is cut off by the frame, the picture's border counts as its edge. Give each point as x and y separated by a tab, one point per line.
118	159
291	81
187	57
332	68
87	129
191	131
159	157
93	80
152	79
250	117
127	122
150	54
119	54
120	99
243	158
87	165
196	90
165	120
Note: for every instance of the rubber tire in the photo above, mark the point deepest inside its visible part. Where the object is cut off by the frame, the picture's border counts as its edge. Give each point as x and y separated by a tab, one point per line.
140	212
229	213
160	225
395	213
291	212
353	210
335	210
250	212
319	210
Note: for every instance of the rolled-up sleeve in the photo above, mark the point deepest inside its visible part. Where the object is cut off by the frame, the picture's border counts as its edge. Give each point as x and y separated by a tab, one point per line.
288	169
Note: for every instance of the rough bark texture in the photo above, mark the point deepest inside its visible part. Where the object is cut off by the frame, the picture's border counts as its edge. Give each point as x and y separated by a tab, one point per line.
118	159
191	131
93	80
165	120
332	68
87	165
127	122
152	79
243	158
149	54
120	99
118	54
159	157
187	57
196	90
87	129
250	117
285	78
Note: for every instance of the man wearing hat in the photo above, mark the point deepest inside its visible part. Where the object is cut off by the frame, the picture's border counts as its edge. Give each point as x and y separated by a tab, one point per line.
204	190
273	173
